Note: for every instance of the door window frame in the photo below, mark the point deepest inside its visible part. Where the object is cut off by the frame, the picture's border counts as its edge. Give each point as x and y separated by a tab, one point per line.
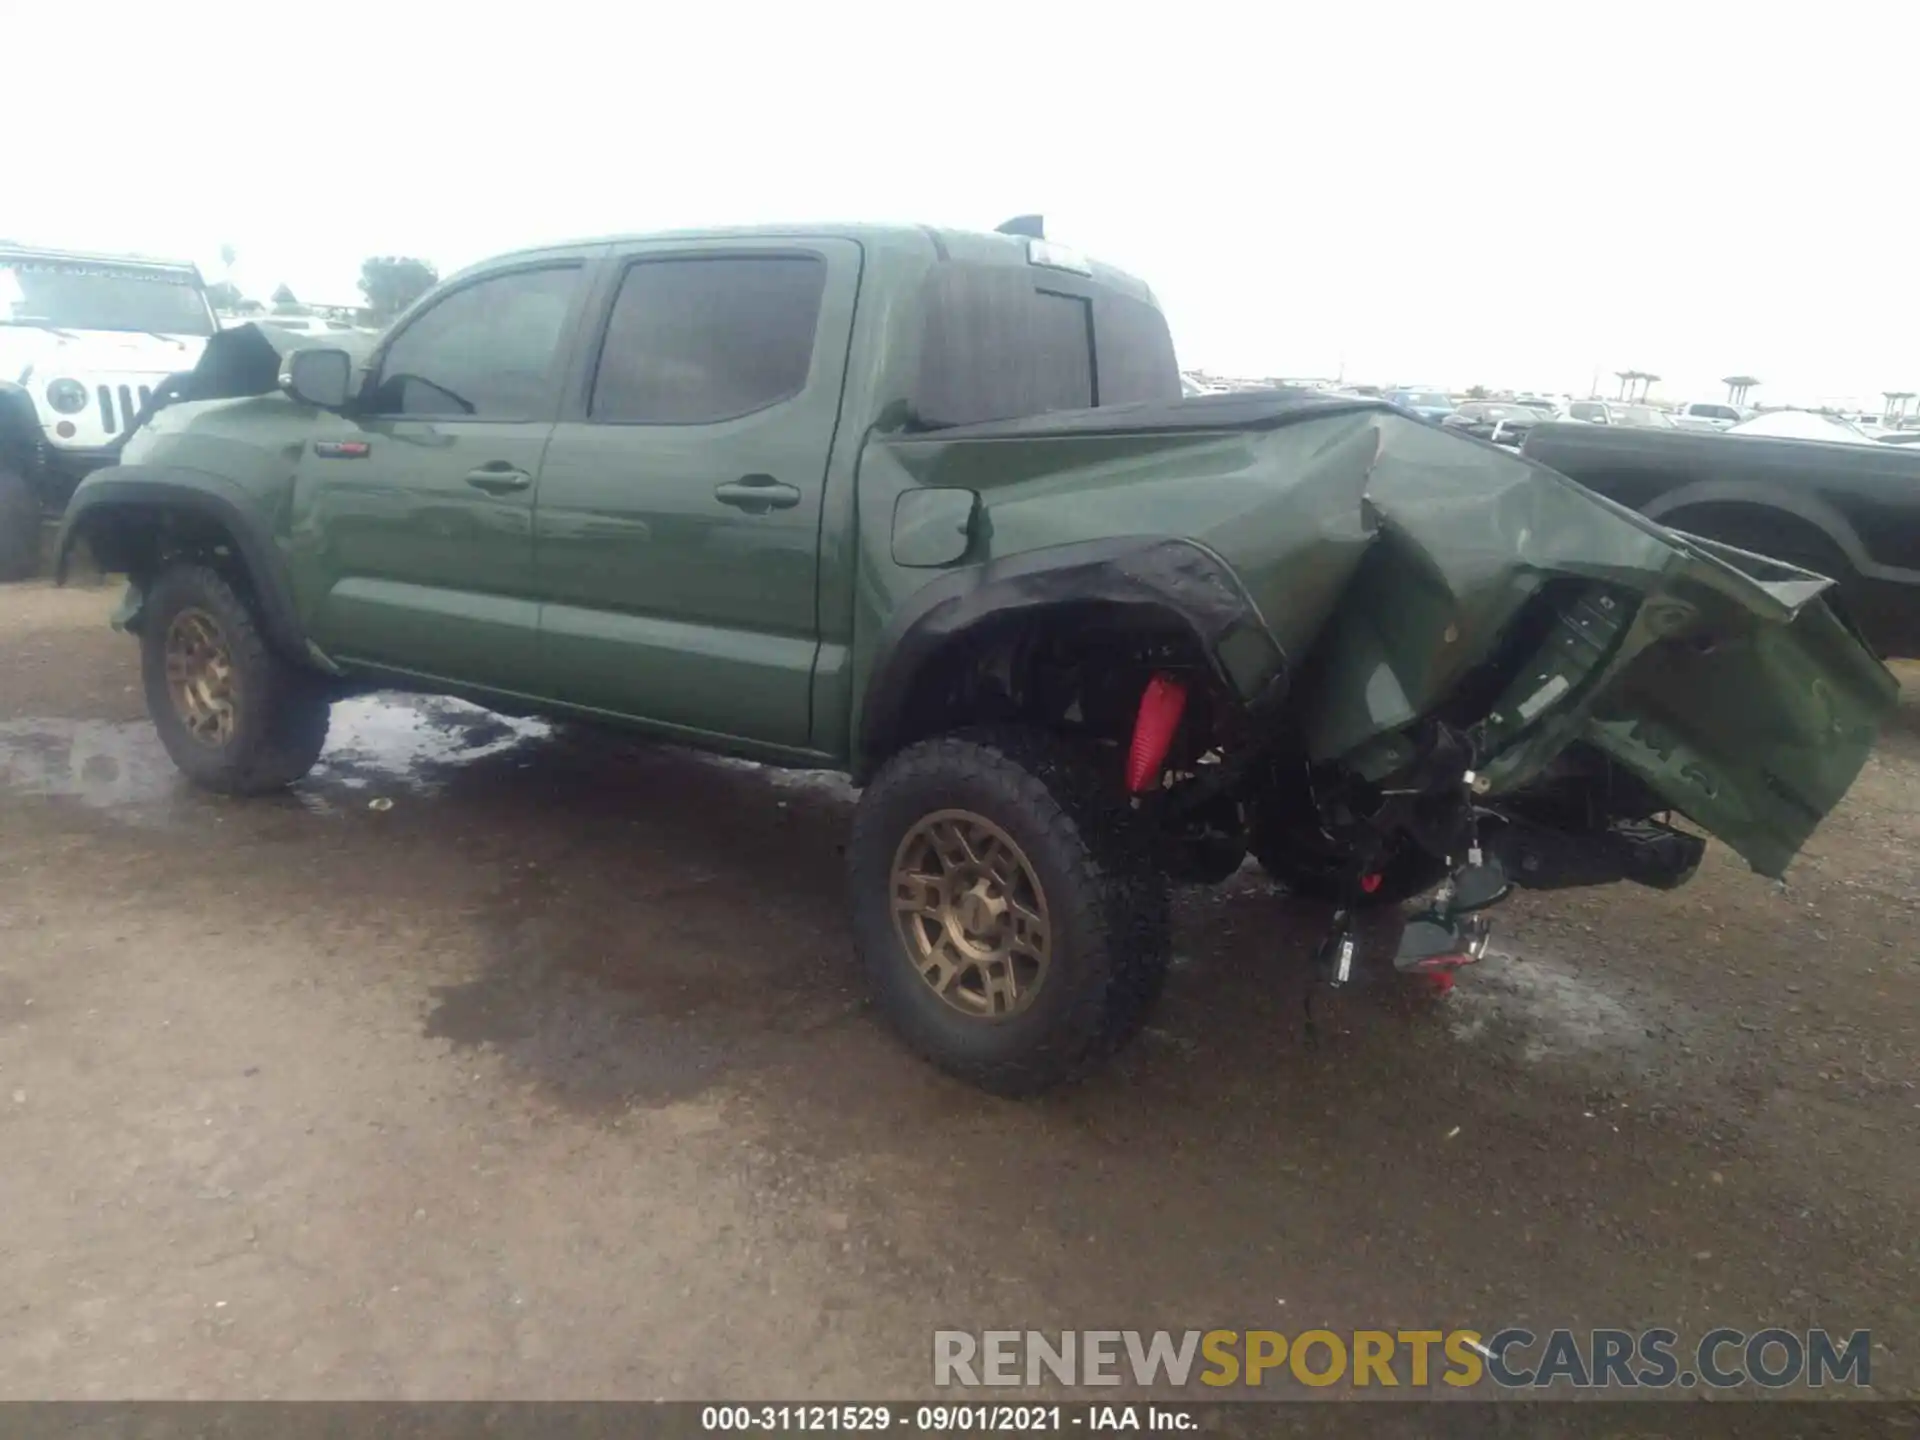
577	401
559	368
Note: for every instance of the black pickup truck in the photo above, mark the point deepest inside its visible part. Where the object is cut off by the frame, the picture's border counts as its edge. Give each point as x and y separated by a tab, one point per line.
1849	512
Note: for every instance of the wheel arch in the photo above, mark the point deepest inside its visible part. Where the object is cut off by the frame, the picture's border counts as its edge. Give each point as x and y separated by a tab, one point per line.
1171	587
132	518
1765	506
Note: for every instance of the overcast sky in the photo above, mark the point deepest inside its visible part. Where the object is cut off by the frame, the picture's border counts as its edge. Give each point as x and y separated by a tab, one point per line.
1431	193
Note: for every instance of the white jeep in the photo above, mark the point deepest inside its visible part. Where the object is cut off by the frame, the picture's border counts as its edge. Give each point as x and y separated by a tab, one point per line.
85	341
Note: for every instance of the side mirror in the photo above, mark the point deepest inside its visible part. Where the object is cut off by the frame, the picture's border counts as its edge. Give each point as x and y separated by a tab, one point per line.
322	378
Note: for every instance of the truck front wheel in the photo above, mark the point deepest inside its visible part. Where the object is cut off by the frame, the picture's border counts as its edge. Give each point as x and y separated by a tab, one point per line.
235	716
1008	916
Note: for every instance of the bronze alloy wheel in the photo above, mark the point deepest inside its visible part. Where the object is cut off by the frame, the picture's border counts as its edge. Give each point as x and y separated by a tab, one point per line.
971	913
200	677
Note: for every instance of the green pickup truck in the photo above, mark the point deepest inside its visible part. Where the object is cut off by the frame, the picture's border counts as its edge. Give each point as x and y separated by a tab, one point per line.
929	507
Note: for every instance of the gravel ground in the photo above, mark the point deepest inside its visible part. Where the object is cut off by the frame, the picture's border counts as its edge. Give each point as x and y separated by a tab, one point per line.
553	1078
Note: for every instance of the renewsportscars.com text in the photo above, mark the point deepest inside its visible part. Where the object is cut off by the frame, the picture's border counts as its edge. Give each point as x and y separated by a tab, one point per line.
1511	1358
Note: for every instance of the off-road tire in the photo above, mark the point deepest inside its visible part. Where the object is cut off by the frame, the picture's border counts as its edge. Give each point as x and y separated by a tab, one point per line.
280	710
1108	905
19	525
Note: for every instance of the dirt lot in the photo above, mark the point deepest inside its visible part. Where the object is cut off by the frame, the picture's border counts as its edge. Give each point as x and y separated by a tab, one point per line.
554	1079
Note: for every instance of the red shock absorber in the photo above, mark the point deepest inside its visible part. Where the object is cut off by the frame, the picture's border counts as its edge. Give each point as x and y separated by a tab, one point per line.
1162	704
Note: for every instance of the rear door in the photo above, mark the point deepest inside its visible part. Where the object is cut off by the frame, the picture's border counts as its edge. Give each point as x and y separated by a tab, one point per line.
678	530
413	524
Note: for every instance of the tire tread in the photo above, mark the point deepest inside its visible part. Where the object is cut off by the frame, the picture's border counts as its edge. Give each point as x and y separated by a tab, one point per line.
292	701
1119	904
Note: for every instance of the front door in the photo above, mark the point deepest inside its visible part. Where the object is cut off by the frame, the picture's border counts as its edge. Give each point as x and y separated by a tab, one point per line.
677	535
413	517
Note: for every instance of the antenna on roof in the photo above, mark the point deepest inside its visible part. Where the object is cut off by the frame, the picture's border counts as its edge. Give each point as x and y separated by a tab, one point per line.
1031	226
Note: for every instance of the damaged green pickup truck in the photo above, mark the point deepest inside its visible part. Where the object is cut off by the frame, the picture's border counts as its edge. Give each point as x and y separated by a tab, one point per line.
928	507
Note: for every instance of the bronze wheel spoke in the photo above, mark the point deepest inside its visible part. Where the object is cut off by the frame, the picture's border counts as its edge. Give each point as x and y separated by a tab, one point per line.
918	895
1027	933
938	968
970	912
200	678
1002	989
949	842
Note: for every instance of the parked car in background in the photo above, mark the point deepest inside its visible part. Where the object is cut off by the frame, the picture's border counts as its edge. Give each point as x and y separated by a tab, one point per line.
315	325
1502	422
1803	488
1803	425
85	341
1706	415
1587	412
1617	412
1427	404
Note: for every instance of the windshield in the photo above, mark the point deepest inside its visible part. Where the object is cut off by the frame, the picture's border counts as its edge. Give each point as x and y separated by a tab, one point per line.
1510	412
1426	400
1646	415
82	295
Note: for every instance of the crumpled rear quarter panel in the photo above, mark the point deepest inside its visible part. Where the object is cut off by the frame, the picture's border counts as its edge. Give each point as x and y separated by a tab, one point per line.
1387	558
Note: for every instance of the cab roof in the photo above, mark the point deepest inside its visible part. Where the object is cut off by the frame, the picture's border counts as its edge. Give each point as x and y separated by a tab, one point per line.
12	251
968	246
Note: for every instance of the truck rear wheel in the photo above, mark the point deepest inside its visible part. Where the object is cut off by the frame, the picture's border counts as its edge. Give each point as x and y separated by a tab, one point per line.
19	526
235	716
1010	922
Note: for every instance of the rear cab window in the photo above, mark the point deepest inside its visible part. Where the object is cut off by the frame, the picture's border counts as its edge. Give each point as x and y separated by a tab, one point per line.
1008	341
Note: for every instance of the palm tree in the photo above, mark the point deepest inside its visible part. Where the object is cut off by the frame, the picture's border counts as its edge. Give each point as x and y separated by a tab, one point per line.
1737	388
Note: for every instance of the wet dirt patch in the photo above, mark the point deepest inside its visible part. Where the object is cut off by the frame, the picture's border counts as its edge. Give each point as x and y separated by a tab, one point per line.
412	741
658	922
102	765
381	742
1546	1009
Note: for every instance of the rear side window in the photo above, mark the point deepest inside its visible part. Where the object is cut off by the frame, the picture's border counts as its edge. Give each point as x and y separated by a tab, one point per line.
486	351
697	339
1003	343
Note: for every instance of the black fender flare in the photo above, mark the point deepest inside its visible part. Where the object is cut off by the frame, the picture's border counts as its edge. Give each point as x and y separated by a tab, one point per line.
126	487
1180	579
1805	509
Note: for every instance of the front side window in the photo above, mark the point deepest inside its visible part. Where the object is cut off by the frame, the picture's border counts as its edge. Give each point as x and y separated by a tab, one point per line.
694	340
486	351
